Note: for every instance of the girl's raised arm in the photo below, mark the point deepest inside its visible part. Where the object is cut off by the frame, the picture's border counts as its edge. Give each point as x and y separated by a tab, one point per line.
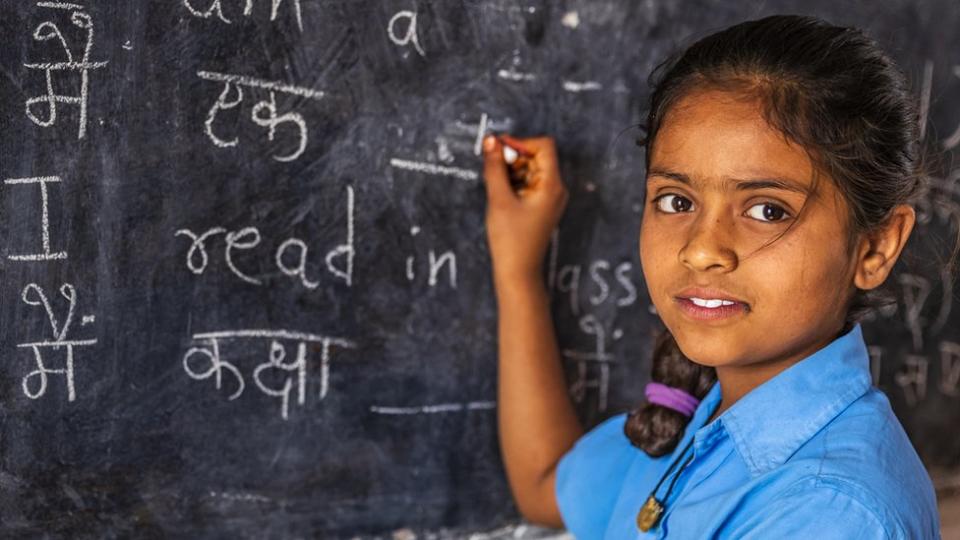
537	421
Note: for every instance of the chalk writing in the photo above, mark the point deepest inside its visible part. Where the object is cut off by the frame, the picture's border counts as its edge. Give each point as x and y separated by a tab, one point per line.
946	302
913	375
215	8
291	257
46	254
607	284
939	204
481	132
552	256
434	409
197	246
292	371
567	281
460	138
916	289
298	365
435	265
938	207
950	368
234	240
246	497
439	170
586	86
912	378
298	270
591	326
264	112
513	75
49	31
33	295
443	149
612	284
404	38
604	288
59	5
916	297
344	250
215	369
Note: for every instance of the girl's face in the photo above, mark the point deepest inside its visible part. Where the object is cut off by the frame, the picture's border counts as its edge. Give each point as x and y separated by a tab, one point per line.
721	183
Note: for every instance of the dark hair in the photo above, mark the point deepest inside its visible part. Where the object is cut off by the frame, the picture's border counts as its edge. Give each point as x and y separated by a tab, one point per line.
833	91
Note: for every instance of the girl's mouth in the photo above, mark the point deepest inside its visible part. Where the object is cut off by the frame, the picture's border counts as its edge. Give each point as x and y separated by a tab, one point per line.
711	310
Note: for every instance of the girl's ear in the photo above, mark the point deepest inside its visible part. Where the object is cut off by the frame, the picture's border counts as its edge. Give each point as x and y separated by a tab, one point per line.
879	249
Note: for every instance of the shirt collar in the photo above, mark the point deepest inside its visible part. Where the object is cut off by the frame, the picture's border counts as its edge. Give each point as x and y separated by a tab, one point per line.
773	420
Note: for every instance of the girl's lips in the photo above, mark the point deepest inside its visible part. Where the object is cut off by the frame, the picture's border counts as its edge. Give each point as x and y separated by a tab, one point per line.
701	313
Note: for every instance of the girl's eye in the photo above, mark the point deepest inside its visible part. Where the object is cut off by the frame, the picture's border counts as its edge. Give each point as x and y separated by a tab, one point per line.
672	204
770	213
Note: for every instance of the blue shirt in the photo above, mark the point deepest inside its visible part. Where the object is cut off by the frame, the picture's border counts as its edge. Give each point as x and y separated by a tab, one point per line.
815	452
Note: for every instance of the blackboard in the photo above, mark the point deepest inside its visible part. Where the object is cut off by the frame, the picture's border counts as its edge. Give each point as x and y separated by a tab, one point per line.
245	285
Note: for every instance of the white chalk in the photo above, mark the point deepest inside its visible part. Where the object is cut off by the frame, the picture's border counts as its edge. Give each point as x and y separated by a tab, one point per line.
509	154
429	168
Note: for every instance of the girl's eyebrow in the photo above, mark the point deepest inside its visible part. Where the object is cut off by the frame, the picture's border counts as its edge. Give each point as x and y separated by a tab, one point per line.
767	182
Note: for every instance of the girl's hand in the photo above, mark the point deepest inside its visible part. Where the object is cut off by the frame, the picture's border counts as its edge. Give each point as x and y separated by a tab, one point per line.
520	220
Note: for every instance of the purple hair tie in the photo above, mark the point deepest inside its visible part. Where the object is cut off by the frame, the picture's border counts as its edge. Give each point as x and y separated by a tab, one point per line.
671	397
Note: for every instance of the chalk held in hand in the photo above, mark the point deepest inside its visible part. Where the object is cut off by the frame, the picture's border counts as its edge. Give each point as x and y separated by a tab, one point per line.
509	154
517	159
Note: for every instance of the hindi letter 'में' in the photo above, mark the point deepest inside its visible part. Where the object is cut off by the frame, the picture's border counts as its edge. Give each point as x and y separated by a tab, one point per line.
42	109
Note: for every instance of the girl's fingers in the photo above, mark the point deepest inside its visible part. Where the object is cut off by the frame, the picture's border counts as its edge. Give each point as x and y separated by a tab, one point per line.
495	175
517	144
541	158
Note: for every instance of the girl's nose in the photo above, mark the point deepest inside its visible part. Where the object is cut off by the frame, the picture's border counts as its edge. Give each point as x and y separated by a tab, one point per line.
709	247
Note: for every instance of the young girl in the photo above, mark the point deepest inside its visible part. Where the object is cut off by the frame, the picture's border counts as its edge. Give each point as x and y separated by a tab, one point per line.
782	166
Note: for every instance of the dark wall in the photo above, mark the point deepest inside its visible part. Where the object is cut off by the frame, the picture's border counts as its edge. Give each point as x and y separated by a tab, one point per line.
245	285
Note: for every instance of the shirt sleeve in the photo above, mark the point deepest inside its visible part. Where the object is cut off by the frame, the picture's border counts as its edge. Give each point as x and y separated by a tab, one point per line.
589	478
814	510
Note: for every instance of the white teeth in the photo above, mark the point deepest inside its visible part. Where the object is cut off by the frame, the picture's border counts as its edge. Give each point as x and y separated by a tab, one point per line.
711	303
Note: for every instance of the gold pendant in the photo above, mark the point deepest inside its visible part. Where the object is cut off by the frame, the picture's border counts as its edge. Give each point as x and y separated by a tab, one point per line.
649	514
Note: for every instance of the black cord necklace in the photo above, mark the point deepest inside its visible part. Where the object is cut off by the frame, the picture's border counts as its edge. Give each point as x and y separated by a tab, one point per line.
652	509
